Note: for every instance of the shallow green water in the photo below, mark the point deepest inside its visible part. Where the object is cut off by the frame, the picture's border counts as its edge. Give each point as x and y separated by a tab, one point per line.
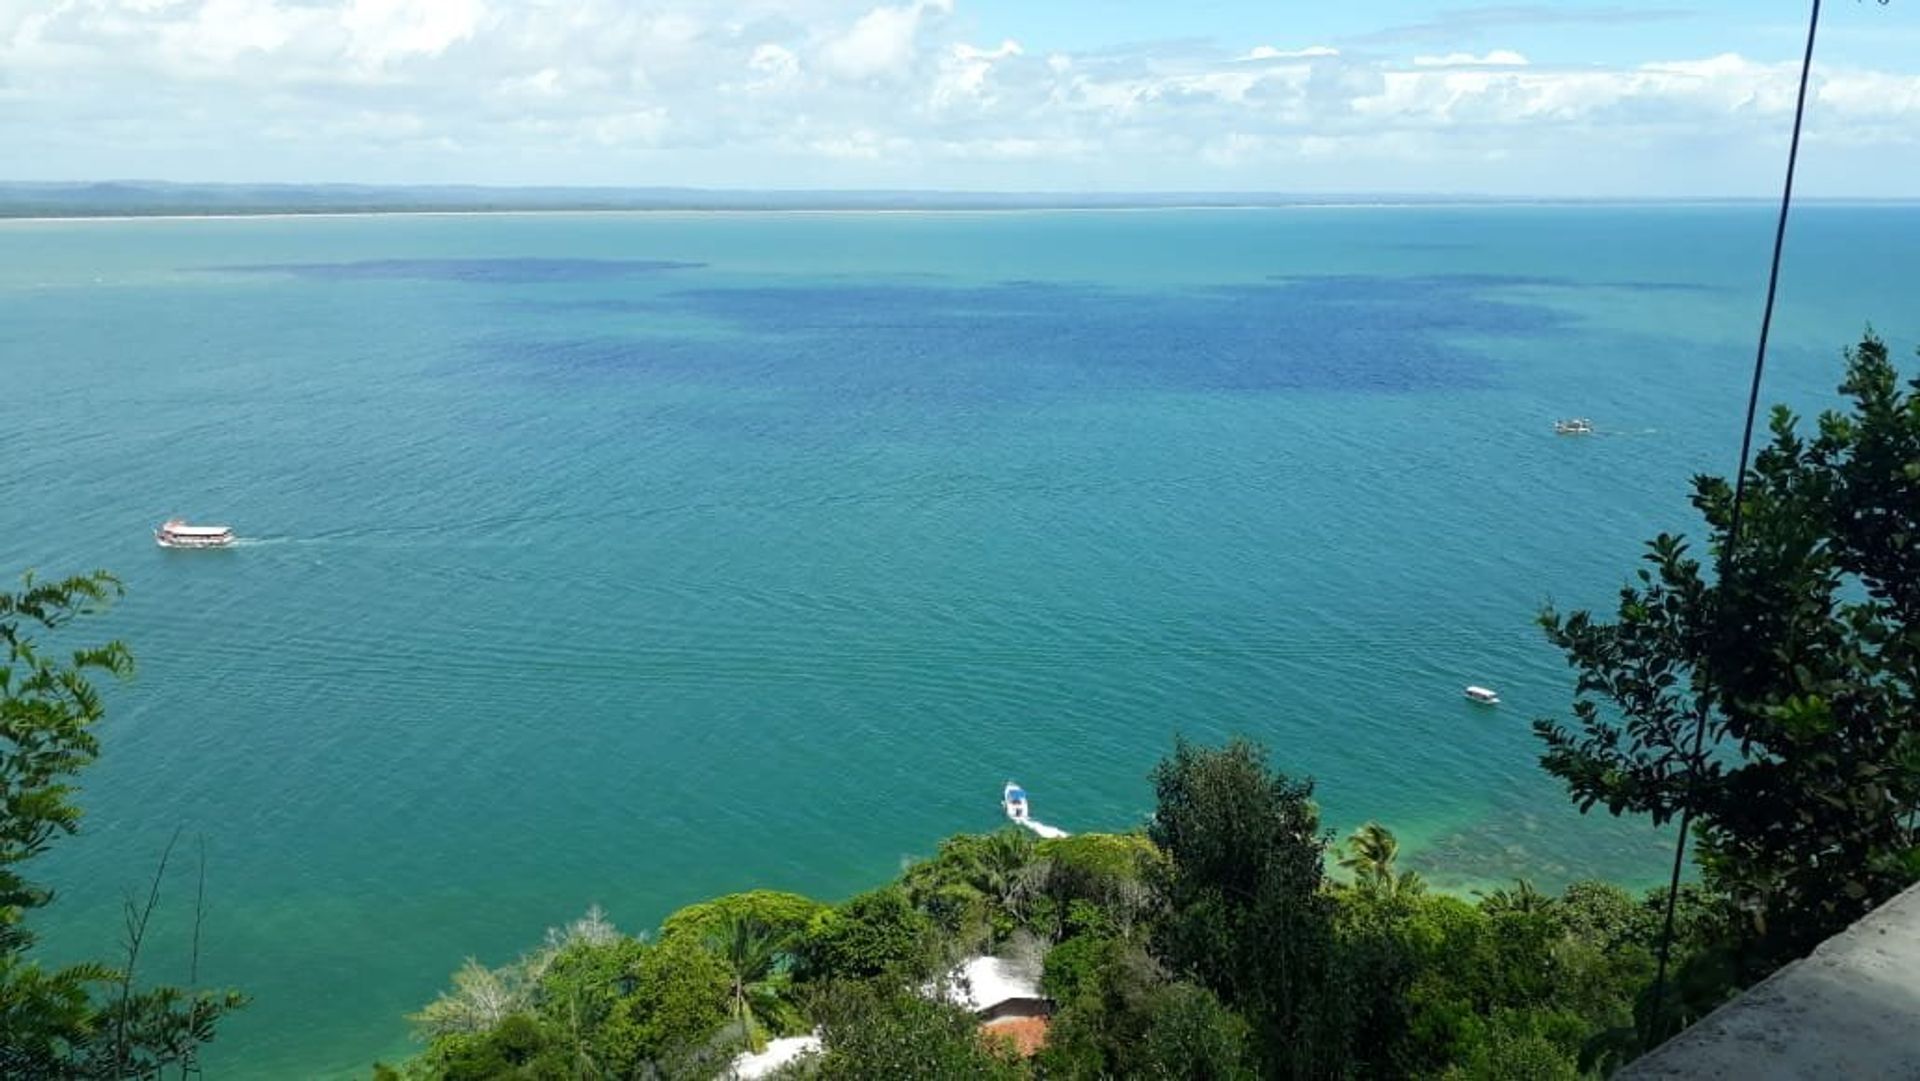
632	559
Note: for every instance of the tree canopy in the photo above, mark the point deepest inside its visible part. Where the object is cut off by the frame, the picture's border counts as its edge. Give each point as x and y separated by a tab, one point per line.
1797	646
88	1020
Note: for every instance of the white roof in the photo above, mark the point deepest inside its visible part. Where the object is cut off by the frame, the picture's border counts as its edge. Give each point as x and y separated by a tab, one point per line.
778	1053
985	982
197	530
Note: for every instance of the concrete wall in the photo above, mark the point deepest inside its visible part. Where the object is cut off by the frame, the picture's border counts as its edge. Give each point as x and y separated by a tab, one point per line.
1851	1009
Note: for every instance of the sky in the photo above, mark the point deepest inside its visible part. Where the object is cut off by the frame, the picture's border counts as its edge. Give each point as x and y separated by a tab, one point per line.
1671	98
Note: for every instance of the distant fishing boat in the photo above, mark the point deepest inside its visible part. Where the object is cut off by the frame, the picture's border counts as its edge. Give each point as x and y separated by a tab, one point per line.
1574	426
1482	695
175	533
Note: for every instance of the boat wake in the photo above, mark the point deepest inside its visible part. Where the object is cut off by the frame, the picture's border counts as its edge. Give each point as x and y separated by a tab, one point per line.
1014	799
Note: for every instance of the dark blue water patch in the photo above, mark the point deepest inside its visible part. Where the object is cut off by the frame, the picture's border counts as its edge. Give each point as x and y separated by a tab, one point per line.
594	306
917	344
1467	281
1428	245
1487	281
1656	287
483	271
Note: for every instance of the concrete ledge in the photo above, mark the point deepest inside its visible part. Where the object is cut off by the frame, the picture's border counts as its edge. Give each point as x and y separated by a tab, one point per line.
1849	1009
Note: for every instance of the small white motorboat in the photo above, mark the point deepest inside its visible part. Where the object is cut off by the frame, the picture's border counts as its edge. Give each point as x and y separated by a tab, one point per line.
1574	426
1482	695
175	533
1014	798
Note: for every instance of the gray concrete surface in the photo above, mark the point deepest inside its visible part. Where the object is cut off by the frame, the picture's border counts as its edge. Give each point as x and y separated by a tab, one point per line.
1851	1009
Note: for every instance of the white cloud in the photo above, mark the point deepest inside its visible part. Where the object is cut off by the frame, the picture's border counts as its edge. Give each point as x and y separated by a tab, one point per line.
1014	149
1873	94
860	144
641	127
382	31
883	42
852	92
964	73
774	62
1496	58
219	34
545	83
1268	52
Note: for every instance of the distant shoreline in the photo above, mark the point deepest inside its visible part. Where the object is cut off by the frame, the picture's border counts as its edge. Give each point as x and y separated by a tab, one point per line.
130	200
68	215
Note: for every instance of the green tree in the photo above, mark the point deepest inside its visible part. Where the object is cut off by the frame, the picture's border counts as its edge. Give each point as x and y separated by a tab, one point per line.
1799	649
1123	1017
874	1032
572	977
782	913
1370	855
579	988
1072	965
1516	1046
1102	987
518	1048
1191	1035
1113	872
999	870
977	886
1524	897
89	1020
676	1009
875	934
756	960
1247	914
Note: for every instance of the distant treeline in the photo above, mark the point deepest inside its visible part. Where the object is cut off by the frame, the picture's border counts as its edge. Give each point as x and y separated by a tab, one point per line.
142	198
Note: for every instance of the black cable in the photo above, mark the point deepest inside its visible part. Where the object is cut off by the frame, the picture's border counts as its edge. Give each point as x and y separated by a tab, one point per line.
1734	522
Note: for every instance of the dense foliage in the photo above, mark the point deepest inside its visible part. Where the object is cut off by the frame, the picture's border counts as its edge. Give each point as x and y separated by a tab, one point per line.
1798	650
88	1020
1214	945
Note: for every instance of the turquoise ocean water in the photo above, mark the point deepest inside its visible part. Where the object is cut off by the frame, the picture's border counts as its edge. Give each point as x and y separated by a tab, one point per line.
633	559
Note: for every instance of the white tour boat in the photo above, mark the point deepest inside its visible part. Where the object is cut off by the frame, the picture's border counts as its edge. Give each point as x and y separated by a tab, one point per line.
1482	695
1575	426
1015	800
175	533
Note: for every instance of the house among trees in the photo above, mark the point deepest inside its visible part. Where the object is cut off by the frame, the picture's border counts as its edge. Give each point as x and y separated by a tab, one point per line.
1007	999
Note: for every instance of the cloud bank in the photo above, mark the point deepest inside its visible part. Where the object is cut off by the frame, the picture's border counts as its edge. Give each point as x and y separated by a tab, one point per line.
918	93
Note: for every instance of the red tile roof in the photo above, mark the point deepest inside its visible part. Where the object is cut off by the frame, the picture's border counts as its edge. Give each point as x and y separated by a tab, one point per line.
1027	1034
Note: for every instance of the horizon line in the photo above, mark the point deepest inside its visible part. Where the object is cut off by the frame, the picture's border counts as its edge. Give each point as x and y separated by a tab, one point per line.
88	200
1208	194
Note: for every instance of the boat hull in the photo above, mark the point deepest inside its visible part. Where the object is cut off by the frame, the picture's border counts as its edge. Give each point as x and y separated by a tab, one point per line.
166	541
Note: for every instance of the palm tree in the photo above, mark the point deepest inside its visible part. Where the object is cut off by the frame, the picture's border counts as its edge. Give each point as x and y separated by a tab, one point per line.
1521	898
998	866
1370	855
756	959
1371	852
